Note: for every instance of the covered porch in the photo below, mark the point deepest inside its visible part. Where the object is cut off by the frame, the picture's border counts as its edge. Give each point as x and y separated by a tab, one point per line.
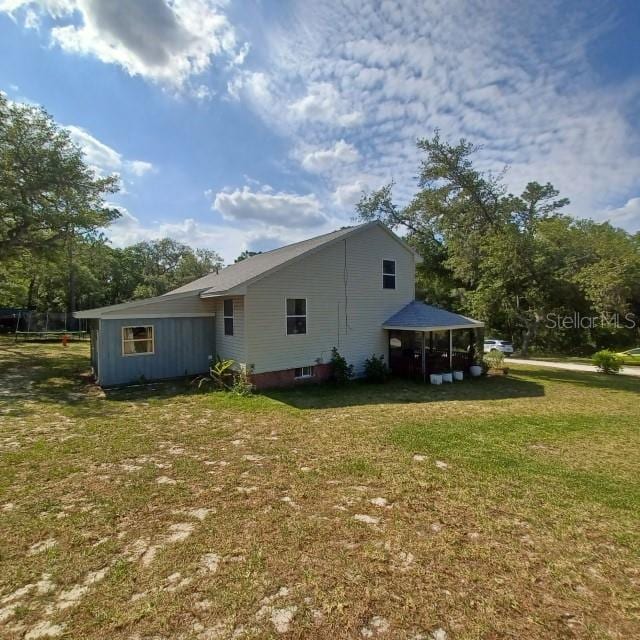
424	339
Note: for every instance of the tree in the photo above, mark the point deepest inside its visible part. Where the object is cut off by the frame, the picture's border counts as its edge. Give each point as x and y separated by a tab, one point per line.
247	254
511	260
49	198
46	189
162	265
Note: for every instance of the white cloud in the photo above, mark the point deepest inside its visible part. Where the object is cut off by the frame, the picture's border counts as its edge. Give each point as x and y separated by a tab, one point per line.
523	87
229	241
324	104
321	160
165	42
627	216
287	210
102	158
346	195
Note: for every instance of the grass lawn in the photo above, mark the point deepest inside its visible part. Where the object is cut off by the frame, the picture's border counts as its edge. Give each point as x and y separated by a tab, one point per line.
498	508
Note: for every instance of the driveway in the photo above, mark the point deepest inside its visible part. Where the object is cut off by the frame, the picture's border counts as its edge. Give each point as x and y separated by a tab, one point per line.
572	366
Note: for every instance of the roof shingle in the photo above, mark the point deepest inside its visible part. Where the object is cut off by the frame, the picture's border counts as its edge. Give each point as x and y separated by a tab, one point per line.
424	317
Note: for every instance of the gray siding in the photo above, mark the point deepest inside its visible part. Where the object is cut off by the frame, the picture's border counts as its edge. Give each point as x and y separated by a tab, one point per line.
231	347
346	303
182	347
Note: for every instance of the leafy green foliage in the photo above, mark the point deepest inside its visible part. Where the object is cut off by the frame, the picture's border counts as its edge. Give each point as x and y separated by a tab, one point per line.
608	361
375	369
510	260
53	255
341	371
223	377
47	192
494	359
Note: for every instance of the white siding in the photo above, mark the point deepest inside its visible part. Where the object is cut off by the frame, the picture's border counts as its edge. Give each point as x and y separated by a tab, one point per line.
184	305
346	303
231	347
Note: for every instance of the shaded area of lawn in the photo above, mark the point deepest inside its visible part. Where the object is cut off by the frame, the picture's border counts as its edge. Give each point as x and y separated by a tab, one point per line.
398	391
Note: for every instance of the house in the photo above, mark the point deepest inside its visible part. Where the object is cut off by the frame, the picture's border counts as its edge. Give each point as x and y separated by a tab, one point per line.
279	314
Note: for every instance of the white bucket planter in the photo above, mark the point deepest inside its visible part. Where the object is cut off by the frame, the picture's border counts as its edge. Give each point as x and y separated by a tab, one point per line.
475	370
447	377
458	375
435	378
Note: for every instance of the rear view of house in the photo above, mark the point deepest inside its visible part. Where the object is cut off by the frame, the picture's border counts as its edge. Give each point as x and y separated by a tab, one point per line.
279	314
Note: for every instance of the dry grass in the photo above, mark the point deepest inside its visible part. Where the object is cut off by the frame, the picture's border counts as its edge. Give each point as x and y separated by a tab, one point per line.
503	508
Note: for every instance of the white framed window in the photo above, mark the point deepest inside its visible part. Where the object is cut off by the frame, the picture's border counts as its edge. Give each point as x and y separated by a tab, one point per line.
296	316
304	372
388	274
138	341
227	316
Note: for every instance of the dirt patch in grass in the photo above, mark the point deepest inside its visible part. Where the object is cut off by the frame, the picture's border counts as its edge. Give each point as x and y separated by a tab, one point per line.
491	509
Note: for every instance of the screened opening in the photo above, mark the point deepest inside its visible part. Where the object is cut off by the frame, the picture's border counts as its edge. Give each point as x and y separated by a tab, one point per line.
296	316
137	340
388	274
227	313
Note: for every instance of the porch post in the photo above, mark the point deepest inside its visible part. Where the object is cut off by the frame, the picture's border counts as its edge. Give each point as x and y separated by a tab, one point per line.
451	349
424	363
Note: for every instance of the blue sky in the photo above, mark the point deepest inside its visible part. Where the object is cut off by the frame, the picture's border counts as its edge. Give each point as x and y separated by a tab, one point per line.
249	124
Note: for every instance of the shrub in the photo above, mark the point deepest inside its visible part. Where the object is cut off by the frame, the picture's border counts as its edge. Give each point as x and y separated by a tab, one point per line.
494	359
223	378
341	372
608	361
242	385
375	369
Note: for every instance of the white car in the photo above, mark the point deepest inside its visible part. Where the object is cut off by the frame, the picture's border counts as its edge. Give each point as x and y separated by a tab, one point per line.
498	345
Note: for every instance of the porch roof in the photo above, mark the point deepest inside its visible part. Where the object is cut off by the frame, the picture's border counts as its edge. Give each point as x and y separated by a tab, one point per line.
418	316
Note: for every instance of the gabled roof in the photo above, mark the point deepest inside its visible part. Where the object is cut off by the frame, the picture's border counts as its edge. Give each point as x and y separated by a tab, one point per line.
251	269
188	299
418	316
181	304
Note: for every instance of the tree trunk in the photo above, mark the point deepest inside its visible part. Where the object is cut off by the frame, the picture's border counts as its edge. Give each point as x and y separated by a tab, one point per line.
71	294
530	332
31	292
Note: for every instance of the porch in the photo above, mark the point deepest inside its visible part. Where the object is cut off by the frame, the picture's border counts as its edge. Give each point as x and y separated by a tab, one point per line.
424	339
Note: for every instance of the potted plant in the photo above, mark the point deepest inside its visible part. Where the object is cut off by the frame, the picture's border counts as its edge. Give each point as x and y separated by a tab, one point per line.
435	378
494	361
476	367
447	376
458	375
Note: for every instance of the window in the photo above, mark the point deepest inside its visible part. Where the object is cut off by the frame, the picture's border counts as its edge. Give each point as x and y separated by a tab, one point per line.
227	313
137	341
304	372
296	316
388	274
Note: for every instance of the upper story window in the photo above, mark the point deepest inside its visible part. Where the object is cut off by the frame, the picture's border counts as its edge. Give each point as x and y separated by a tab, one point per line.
388	274
227	313
137	341
296	316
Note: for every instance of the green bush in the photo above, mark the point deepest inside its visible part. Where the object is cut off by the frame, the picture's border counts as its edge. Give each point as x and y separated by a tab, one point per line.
494	359
223	377
607	361
375	369
341	372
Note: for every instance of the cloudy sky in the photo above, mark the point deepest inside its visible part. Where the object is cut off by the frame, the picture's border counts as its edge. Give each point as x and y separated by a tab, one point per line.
244	125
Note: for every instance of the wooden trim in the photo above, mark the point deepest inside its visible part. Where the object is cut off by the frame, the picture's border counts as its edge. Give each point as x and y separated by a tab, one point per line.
123	340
